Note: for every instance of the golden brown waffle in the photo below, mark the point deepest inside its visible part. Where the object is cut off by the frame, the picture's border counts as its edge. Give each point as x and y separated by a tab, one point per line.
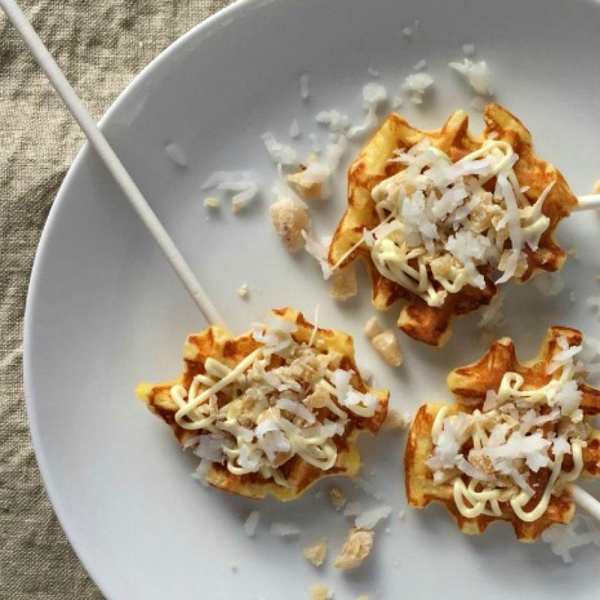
469	385
218	344
417	319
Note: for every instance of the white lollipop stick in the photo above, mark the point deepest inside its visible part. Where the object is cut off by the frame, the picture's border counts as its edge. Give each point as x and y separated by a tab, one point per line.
588	202
110	159
586	501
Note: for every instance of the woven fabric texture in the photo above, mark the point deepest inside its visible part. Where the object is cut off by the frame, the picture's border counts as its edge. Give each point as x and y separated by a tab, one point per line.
101	45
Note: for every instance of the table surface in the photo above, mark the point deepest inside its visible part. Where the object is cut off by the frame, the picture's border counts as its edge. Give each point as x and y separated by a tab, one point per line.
101	45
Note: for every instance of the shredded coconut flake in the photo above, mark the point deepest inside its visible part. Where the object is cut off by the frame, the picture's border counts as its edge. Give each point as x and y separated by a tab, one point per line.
582	531
251	523
368	519
284	529
418	84
279	153
374	94
477	74
176	155
319	252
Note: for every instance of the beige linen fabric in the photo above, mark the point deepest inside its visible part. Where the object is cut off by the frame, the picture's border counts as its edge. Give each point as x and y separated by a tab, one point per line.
101	45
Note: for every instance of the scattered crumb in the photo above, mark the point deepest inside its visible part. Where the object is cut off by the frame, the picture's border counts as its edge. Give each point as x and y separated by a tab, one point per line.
290	219
237	206
420	65
356	548
573	252
373	72
407	32
401	514
468	49
343	283
388	530
212	202
337	496
251	523
372	328
316	553
596	188
303	184
232	567
395	420
386	344
320	592
243	291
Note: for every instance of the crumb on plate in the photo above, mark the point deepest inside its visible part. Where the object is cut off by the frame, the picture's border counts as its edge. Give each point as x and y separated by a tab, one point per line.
356	548
337	496
343	283
387	345
320	592
316	552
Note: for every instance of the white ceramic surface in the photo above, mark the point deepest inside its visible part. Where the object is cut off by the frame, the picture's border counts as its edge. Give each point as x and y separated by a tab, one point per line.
105	311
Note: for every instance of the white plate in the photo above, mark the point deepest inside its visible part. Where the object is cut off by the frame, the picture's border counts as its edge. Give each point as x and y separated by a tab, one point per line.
105	310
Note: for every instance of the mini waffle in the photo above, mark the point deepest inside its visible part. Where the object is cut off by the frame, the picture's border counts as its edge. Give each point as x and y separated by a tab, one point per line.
470	384
419	320
216	343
